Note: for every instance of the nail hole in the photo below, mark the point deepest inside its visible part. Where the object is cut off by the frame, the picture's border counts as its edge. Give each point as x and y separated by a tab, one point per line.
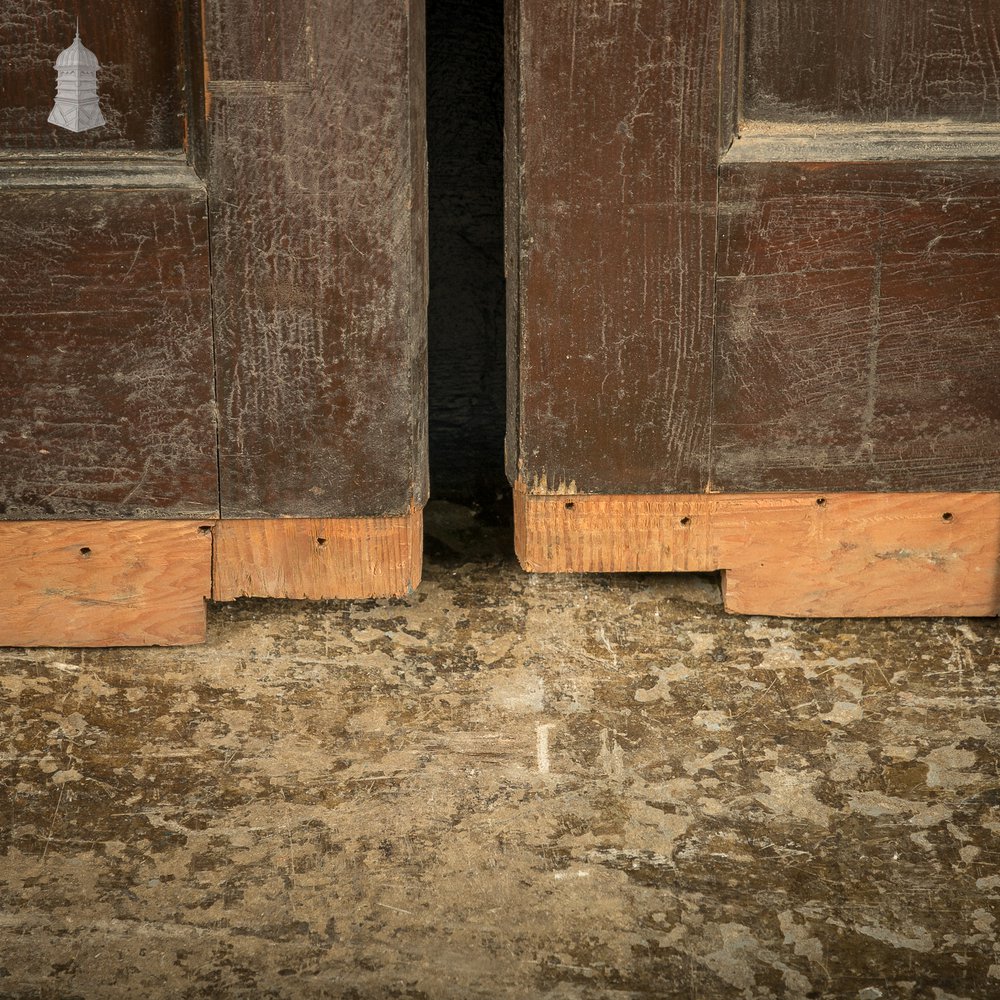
570	505
85	552
821	502
685	521
948	516
321	542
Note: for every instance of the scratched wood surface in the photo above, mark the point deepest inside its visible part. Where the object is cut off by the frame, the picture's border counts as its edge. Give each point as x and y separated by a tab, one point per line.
104	583
140	83
317	185
858	322
615	133
872	61
793	554
106	405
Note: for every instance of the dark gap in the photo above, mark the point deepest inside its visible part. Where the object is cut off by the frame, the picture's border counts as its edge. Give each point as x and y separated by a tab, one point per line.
467	309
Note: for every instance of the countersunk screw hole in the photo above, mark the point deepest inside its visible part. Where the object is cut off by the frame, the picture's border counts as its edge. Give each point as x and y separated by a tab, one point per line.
85	551
821	502
685	521
948	516
321	542
570	505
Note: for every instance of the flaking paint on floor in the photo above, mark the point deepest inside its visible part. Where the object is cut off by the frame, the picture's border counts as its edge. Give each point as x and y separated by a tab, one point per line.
506	786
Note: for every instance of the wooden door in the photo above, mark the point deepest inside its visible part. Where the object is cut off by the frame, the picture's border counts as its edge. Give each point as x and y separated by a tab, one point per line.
211	314
755	307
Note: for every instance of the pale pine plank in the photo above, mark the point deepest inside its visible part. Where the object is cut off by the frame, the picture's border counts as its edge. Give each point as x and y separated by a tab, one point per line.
794	554
104	583
318	558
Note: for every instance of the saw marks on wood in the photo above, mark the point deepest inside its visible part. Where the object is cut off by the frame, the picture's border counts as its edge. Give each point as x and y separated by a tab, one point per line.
318	558
104	583
801	555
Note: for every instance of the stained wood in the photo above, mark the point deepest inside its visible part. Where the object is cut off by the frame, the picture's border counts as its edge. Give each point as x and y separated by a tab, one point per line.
615	153
317	182
799	555
104	583
318	558
857	327
106	407
140	82
865	61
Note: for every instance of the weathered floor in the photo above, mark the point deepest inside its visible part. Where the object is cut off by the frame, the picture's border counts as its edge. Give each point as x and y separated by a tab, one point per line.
506	787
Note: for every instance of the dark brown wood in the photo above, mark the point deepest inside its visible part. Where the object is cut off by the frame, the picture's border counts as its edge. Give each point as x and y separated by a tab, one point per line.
106	406
616	154
857	327
195	75
140	51
513	207
873	60
319	268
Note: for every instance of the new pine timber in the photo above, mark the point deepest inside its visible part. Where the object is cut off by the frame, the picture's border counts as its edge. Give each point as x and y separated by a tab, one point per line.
317	558
104	583
791	554
317	189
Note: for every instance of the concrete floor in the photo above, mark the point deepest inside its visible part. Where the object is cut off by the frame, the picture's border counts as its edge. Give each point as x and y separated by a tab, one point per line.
507	786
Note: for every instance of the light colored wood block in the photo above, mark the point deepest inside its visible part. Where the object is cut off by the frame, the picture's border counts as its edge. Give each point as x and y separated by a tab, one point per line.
797	555
104	583
318	559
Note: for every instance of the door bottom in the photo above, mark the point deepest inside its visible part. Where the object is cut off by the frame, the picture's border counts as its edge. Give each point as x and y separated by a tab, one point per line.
809	555
145	583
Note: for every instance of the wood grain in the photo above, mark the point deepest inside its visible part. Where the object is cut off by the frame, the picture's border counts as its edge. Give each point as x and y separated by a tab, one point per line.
318	558
865	61
106	406
317	185
140	82
858	309
799	555
615	164
103	583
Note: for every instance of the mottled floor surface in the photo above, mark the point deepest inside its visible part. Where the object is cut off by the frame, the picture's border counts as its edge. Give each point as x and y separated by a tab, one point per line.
508	786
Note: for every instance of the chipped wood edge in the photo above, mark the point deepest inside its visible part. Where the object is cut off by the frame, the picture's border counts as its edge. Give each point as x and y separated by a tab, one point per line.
104	583
318	558
790	554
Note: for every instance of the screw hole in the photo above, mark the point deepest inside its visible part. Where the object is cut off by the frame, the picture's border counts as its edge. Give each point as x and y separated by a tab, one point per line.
948	516
85	551
821	502
685	521
321	542
570	505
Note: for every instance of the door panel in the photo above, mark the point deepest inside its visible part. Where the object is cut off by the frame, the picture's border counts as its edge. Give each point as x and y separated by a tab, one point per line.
141	79
858	309
106	404
858	320
872	60
106	390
